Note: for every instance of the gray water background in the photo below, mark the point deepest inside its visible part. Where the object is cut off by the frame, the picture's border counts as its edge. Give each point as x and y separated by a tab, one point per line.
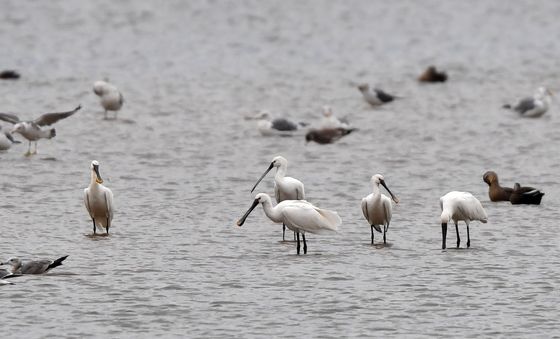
181	161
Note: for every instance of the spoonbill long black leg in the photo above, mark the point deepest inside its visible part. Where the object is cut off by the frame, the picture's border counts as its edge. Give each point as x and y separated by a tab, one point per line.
304	244
458	238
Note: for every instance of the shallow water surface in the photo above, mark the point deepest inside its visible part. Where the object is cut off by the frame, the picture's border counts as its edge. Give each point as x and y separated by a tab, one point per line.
181	161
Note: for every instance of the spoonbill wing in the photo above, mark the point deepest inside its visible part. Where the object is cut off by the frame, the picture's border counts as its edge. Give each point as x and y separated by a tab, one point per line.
309	218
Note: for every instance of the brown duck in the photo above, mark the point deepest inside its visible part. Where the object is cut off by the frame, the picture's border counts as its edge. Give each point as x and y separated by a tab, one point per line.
431	74
495	191
525	195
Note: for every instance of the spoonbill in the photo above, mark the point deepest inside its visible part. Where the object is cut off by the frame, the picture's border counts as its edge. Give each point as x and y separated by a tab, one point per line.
298	215
458	206
33	267
525	195
376	96
111	98
31	130
536	106
285	188
377	207
98	200
495	191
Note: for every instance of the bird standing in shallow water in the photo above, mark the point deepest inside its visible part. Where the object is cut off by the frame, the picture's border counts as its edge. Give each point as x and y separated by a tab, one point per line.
377	207
98	200
536	106
32	131
376	97
298	215
285	188
458	206
111	98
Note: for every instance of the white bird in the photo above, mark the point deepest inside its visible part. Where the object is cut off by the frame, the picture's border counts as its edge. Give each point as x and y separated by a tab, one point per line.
376	97
111	98
98	200
377	207
6	140
32	267
458	206
536	106
298	215
31	130
330	121
285	188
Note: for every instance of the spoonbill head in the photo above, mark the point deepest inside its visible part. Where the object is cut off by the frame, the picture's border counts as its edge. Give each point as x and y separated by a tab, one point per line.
377	208
459	206
298	215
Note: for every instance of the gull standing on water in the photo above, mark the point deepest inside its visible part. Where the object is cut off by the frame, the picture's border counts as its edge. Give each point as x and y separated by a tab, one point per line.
268	126
376	97
285	188
377	207
6	140
33	267
98	200
298	215
331	121
536	106
31	130
111	98
458	206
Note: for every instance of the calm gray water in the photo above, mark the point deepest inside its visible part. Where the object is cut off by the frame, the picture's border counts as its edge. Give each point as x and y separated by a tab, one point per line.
181	161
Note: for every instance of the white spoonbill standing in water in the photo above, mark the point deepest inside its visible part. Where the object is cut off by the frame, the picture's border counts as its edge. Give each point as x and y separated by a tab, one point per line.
98	200
285	188
458	206
377	208
298	215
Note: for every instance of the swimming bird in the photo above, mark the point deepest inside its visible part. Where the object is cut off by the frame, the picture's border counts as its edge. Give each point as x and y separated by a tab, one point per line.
111	98
536	106
285	188
377	207
458	206
331	121
525	195
9	74
268	126
6	140
376	97
31	130
98	200
32	267
431	74
298	215
495	191
327	135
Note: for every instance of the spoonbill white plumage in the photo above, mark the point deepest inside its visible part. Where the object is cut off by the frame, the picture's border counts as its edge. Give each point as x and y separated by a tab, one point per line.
377	207
298	215
285	188
458	206
111	98
98	200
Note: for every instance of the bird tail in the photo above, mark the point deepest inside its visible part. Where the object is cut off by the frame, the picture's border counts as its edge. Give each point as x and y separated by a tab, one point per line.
52	134
57	262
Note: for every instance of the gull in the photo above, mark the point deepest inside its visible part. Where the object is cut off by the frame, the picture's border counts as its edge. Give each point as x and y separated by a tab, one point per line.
31	130
458	206
536	106
495	191
32	267
376	97
285	188
98	200
6	140
268	126
298	215
331	121
377	207
111	98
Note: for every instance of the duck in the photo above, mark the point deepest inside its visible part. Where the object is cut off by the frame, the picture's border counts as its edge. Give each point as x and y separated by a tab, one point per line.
525	195
495	191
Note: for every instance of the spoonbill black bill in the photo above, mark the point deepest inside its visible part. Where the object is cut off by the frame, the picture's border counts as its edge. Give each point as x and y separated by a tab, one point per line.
98	200
377	208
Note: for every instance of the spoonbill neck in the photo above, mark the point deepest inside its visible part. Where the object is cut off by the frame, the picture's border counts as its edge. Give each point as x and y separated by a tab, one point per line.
273	213
281	172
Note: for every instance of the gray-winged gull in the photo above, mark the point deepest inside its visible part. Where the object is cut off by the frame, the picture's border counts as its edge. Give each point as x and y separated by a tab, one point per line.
34	266
535	106
376	96
31	130
111	98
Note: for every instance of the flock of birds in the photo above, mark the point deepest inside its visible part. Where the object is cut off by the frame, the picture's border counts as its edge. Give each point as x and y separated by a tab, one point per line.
300	216
98	199
292	210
